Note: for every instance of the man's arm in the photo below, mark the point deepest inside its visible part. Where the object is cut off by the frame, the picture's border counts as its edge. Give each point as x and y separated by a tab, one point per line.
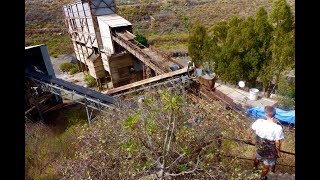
278	147
279	137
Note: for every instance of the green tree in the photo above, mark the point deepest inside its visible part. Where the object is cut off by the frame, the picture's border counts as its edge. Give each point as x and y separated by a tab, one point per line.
214	43
282	52
249	52
281	44
239	57
286	93
263	30
196	43
227	60
281	16
219	32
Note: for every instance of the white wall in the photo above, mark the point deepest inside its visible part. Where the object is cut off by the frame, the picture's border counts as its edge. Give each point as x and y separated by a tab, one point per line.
106	37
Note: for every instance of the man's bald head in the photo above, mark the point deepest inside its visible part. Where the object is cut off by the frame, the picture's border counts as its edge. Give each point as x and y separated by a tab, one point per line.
270	111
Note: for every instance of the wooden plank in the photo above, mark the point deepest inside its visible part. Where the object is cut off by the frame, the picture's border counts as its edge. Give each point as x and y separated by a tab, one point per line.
145	81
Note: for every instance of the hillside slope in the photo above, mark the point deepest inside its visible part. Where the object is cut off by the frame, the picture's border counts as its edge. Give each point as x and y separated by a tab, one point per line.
164	22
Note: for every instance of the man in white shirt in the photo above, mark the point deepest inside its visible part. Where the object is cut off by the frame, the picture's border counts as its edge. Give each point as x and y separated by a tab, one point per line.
268	136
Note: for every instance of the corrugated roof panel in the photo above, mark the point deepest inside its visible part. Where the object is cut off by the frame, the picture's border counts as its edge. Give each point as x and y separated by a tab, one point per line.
114	20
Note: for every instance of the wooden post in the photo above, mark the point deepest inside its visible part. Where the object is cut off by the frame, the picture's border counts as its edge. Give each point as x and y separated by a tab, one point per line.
143	72
100	85
79	66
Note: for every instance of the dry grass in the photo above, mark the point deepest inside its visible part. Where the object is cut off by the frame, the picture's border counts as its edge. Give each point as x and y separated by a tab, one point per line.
170	17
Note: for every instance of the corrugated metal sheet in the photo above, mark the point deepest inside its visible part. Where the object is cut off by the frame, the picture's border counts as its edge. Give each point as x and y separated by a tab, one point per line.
114	20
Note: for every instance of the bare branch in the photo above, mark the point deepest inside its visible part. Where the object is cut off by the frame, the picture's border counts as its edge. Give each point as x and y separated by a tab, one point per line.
176	160
188	172
173	127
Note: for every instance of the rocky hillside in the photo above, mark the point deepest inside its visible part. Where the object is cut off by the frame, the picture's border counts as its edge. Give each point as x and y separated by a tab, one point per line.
164	22
44	13
48	13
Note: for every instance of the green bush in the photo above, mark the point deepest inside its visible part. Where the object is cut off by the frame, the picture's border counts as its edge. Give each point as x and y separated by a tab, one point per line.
76	117
74	69
90	81
55	55
141	39
66	66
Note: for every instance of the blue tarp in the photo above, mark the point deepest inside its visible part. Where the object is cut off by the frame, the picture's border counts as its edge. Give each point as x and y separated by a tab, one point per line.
281	115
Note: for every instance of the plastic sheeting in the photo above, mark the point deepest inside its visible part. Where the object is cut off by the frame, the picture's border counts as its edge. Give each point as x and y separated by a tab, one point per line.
281	115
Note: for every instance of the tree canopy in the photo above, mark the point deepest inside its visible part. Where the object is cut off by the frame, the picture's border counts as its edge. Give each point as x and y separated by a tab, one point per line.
258	48
196	45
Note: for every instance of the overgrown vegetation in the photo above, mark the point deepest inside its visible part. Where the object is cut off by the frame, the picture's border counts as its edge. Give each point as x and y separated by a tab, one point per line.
160	137
75	117
69	67
247	49
74	69
90	81
66	66
46	149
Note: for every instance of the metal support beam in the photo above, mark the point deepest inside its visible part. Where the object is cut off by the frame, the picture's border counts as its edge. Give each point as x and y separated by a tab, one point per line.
87	111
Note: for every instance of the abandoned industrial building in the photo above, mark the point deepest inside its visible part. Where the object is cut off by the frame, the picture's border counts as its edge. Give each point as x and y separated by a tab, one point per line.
145	114
105	45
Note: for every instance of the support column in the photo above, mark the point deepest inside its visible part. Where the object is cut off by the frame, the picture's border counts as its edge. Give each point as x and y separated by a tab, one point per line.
87	110
79	66
99	84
